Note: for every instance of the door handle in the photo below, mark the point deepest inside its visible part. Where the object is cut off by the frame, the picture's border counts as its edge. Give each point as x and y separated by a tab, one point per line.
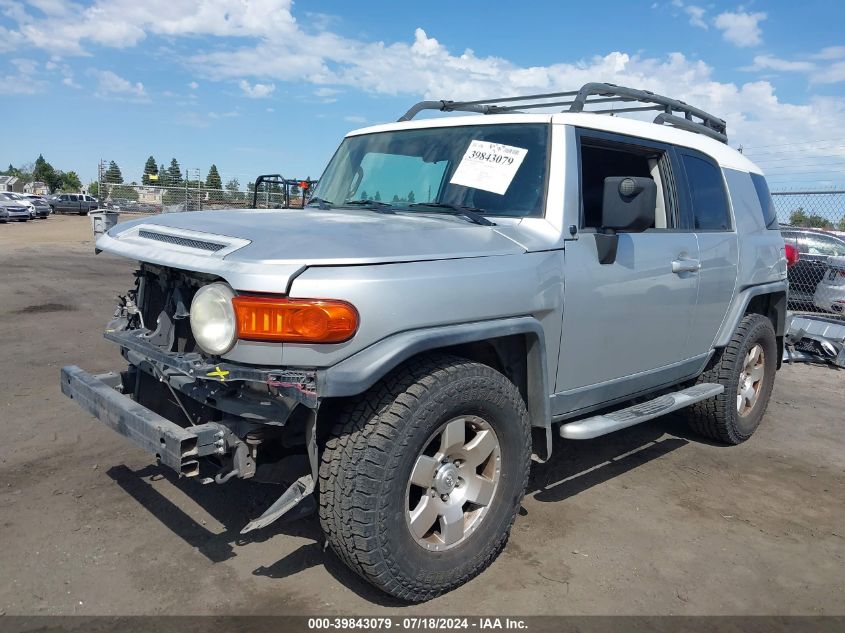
686	266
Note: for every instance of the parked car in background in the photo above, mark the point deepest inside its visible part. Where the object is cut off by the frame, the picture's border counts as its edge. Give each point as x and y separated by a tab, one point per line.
72	203
16	209
42	208
25	201
815	248
4	215
830	293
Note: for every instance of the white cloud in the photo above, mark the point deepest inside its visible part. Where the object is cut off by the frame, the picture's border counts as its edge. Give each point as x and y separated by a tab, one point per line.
354	118
834	73
831	52
696	16
24	78
112	85
769	62
223	115
827	69
193	85
694	12
741	28
66	27
259	44
256	91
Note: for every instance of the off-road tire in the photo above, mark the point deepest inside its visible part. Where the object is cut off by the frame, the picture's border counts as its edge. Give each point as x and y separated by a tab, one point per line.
718	418
367	460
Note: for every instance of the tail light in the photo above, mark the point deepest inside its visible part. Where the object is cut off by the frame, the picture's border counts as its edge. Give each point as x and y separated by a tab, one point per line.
792	256
281	320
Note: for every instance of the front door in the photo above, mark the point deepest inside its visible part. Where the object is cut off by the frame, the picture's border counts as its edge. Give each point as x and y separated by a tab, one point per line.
626	325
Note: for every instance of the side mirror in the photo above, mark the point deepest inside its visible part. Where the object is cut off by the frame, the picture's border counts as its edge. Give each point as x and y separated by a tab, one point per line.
628	205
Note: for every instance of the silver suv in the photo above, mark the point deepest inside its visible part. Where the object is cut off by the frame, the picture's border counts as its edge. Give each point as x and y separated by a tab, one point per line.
457	290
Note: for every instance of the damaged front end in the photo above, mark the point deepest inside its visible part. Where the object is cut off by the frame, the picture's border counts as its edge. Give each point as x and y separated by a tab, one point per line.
202	416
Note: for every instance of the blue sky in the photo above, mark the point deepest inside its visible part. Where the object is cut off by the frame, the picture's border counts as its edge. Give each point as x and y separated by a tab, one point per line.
269	86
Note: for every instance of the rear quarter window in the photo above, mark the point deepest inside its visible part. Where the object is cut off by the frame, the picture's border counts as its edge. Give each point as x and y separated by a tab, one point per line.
707	193
770	216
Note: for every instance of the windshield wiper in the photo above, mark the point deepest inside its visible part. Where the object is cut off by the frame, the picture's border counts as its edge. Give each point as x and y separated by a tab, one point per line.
470	213
325	205
373	205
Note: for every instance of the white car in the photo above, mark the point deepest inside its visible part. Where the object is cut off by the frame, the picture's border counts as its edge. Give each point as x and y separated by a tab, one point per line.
24	201
16	209
830	293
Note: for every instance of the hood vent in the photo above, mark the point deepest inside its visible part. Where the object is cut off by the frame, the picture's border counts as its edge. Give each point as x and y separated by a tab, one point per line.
179	240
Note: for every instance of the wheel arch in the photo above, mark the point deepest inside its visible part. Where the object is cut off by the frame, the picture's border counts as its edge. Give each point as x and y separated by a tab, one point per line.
513	346
766	299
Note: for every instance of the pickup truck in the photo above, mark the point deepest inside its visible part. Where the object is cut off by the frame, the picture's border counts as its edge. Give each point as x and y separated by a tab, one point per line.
77	203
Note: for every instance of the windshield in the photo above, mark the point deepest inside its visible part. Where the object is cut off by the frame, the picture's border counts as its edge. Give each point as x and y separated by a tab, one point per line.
497	170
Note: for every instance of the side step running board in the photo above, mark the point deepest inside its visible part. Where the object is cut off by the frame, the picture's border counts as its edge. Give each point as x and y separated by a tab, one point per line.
597	425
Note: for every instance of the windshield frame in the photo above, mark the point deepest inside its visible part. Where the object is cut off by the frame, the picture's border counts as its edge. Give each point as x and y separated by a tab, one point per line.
544	190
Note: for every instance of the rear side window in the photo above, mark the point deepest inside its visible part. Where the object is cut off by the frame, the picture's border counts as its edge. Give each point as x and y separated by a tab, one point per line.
770	216
707	192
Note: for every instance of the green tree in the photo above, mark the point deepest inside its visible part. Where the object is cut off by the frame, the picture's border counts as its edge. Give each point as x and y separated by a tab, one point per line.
113	174
71	181
94	189
364	195
123	192
798	217
162	176
150	169
395	199
819	221
233	189
212	181
44	172
841	225
377	197
174	174
411	197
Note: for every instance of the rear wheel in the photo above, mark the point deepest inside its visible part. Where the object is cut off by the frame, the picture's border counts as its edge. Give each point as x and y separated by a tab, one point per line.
746	368
422	477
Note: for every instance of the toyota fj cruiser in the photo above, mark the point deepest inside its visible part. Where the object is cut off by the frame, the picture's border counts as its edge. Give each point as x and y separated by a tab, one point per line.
456	290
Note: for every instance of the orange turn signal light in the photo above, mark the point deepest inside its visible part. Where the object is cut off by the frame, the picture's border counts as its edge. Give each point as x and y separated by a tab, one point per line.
281	319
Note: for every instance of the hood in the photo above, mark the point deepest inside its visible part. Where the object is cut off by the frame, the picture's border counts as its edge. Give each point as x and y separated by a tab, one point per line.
252	242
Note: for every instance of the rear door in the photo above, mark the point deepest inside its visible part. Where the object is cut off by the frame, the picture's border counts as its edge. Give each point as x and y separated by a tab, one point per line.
706	211
626	325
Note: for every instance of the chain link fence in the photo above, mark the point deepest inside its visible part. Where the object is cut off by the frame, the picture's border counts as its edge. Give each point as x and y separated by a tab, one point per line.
194	196
813	223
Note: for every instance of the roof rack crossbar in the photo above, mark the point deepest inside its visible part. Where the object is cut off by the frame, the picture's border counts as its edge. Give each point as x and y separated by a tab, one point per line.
591	93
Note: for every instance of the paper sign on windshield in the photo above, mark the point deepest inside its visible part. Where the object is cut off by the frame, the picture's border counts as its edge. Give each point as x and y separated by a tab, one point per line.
488	166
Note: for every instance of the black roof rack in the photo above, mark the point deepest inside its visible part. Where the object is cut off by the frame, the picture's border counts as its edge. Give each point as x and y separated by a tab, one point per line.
590	94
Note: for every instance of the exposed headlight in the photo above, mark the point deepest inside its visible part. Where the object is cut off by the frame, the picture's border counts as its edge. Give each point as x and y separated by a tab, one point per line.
213	318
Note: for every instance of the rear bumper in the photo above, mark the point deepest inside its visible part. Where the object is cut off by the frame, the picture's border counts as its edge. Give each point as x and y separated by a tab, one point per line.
172	445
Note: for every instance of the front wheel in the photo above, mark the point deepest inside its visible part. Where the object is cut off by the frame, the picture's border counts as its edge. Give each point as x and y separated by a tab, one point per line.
422	476
746	368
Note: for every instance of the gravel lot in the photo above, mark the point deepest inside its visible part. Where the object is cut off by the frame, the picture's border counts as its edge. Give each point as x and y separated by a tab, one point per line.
650	520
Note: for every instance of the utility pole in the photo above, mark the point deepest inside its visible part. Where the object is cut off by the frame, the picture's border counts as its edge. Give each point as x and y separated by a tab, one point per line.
100	183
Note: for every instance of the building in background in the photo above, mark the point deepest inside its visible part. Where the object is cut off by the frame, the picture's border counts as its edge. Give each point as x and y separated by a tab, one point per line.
37	188
11	183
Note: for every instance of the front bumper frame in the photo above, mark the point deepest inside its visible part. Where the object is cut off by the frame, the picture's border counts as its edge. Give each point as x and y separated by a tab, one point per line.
176	447
296	384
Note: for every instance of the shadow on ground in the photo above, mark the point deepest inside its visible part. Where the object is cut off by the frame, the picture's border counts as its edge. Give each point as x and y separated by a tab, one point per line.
573	468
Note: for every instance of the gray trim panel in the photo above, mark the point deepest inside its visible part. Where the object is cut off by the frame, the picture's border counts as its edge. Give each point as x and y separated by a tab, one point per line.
740	304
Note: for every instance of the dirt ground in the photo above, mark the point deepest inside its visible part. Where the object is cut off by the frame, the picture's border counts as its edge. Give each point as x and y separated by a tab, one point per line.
650	520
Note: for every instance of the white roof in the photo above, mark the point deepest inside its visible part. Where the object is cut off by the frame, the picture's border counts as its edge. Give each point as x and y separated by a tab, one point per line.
723	154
